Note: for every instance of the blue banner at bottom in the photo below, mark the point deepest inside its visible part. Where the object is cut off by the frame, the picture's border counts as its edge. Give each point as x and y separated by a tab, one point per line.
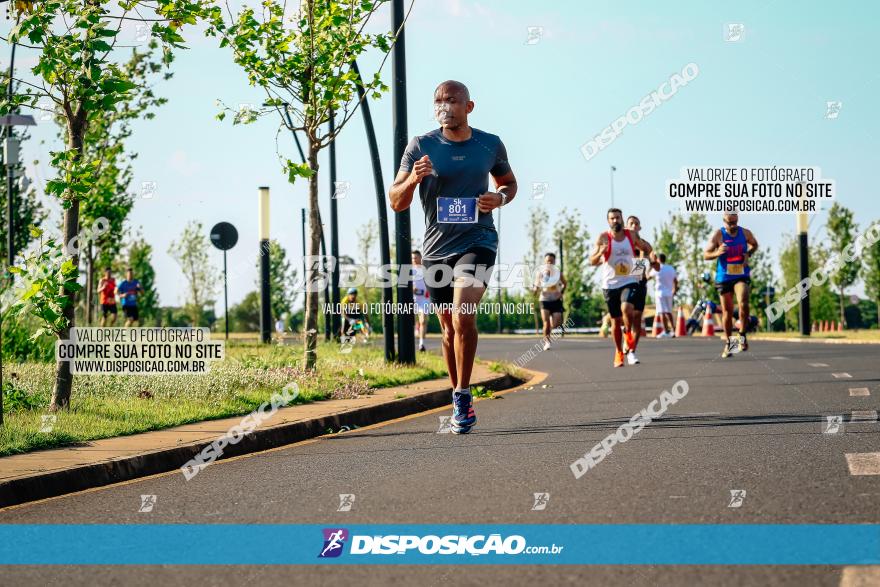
518	544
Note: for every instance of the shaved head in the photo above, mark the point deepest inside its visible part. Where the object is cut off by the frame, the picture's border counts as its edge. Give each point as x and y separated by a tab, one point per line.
452	104
454	87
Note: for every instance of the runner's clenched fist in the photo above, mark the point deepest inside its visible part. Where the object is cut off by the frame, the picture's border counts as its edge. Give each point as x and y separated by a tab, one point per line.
421	169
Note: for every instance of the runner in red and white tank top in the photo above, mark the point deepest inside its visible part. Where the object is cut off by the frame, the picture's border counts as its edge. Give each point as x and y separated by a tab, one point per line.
614	251
616	271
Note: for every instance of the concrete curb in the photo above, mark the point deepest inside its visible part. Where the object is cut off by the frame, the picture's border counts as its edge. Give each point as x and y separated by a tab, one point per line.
44	485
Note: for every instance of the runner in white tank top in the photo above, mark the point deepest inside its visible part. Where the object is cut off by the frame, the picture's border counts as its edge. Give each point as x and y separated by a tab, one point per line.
614	251
617	269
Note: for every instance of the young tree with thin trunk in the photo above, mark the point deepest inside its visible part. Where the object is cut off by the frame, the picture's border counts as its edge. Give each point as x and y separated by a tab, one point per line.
303	63
578	273
871	274
74	42
841	227
691	233
536	233
111	199
191	252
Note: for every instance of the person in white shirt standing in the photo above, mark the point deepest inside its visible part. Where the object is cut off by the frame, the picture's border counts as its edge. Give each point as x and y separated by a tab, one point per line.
420	298
615	251
664	291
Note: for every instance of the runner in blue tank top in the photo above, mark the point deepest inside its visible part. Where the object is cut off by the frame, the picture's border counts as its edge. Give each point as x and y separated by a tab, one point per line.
732	245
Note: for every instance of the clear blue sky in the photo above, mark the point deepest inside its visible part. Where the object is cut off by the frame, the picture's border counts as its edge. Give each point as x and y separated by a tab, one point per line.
757	102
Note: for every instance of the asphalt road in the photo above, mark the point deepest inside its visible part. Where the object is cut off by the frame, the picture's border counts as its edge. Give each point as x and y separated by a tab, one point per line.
753	422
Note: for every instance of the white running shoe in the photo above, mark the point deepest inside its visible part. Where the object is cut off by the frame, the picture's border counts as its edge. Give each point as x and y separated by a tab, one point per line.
546	345
631	358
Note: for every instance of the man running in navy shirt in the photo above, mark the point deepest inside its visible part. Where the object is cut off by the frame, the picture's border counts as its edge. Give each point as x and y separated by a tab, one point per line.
451	166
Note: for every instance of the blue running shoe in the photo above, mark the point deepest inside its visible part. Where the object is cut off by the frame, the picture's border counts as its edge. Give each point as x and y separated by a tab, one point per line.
463	416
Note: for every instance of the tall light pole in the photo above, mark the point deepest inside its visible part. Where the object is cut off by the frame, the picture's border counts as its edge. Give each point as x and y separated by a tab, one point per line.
10	148
334	319
611	175
382	208
406	342
303	227
10	207
265	297
804	258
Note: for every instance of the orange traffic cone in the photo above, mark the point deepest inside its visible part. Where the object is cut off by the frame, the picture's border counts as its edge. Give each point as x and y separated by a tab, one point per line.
658	325
708	323
840	327
824	325
680	326
642	331
815	326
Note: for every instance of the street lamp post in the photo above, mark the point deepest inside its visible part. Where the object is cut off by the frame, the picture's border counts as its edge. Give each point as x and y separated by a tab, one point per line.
406	342
804	258
382	208
333	320
265	297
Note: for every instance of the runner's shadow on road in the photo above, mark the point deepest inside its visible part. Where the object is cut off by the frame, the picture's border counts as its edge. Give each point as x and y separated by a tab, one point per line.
611	424
676	422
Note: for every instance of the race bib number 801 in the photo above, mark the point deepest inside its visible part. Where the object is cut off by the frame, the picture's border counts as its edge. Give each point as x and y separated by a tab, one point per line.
456	210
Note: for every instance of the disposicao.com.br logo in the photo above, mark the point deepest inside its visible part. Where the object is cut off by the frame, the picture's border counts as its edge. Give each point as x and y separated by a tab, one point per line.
431	544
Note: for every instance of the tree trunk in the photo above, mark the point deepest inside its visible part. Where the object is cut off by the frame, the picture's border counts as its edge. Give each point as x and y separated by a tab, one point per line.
842	314
90	286
63	376
310	330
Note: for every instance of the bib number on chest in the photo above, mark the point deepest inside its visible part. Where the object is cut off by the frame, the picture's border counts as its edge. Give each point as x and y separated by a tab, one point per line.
622	269
735	269
456	210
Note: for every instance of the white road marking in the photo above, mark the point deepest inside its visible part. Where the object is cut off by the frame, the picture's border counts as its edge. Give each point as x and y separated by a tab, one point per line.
861	576
777	358
841	375
864	416
859	391
863	463
818	364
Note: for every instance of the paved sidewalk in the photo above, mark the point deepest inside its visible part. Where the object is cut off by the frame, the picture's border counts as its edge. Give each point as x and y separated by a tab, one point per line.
48	473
